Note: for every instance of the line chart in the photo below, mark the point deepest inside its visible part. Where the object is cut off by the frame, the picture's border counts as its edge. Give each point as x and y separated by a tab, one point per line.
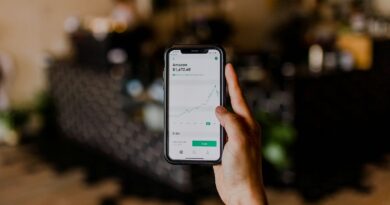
213	91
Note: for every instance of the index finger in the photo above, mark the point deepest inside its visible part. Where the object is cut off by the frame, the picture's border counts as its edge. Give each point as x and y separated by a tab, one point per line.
239	104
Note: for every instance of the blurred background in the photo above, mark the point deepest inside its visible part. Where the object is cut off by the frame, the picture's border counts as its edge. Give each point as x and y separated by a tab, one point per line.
81	98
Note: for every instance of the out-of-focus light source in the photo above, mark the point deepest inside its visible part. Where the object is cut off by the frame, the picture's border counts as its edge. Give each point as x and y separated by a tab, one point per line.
100	27
153	117
8	136
119	27
275	153
358	22
316	56
72	24
346	61
156	90
134	88
116	56
123	14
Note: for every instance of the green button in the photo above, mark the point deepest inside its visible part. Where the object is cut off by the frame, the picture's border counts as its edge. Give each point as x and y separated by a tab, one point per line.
204	143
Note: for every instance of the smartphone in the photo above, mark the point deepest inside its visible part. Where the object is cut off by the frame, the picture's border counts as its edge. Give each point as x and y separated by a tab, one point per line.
194	85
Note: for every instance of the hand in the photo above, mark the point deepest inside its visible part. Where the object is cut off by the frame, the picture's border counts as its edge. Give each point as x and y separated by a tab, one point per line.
239	178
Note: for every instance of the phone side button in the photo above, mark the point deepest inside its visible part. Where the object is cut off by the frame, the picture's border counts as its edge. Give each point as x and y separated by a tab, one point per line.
164	79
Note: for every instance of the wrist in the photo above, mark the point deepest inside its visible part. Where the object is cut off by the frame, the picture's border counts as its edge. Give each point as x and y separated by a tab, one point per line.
253	195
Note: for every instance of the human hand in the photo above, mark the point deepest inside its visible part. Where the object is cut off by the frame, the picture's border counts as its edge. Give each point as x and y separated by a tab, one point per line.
238	178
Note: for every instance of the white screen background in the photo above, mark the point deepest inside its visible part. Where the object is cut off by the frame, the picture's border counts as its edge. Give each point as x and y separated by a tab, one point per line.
194	93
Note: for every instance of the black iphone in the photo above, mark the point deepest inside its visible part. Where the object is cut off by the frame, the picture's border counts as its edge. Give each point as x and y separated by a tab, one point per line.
194	80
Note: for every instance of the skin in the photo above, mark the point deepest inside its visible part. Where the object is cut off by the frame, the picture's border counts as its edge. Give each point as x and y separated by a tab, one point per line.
238	178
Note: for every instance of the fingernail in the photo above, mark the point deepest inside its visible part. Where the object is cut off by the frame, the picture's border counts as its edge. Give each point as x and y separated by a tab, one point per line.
229	65
221	109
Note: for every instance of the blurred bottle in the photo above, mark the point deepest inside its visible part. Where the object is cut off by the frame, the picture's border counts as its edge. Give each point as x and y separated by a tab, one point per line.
354	41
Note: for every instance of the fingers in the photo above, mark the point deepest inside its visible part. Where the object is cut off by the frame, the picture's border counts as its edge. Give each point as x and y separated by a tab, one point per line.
217	169
232	124
237	99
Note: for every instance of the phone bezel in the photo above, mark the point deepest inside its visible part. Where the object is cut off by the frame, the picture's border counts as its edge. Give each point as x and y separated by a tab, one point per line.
192	49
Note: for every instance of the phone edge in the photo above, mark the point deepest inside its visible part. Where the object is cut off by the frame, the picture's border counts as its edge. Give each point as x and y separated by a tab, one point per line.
223	92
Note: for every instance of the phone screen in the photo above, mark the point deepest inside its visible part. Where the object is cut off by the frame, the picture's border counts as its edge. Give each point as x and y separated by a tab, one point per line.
194	91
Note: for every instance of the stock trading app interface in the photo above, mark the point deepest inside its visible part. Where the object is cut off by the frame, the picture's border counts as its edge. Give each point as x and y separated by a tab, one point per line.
194	93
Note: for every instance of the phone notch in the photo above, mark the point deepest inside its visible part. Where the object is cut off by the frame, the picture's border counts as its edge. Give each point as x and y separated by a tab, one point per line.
194	50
